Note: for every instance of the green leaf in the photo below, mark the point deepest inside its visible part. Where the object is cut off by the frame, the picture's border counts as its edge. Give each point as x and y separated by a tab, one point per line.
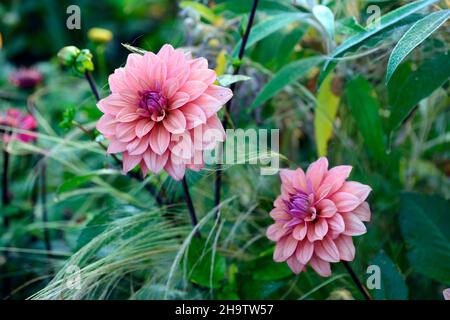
134	49
267	27
202	268
324	115
364	108
326	18
421	30
77	181
386	21
349	26
425	225
227	79
287	75
268	270
239	6
205	12
406	90
393	286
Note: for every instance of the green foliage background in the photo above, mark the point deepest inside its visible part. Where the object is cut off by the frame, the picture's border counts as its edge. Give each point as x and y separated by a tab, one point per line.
332	85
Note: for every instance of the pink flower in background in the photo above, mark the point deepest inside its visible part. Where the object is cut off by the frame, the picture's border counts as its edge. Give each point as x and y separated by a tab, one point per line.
446	294
15	119
316	216
26	78
157	104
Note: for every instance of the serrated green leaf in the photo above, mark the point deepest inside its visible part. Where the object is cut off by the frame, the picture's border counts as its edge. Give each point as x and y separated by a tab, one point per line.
324	115
421	30
287	75
425	225
393	286
407	90
364	109
267	27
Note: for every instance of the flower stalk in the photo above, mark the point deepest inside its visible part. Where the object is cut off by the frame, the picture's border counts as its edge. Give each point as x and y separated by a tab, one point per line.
190	205
227	115
357	281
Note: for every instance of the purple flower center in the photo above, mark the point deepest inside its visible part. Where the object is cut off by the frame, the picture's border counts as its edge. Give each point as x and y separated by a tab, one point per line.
299	205
154	102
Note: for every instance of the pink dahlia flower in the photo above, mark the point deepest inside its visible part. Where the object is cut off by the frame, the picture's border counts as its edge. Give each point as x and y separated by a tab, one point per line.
162	112
14	119
26	78
446	294
316	216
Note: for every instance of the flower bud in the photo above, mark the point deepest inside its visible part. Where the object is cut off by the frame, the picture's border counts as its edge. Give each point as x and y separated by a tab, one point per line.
68	55
100	35
84	62
26	78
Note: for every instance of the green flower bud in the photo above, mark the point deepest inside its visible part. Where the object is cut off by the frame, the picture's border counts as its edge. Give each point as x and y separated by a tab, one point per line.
84	62
68	55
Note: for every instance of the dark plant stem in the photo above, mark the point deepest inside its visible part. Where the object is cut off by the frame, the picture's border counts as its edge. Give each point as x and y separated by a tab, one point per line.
5	203
92	85
43	174
187	197
357	281
227	114
133	175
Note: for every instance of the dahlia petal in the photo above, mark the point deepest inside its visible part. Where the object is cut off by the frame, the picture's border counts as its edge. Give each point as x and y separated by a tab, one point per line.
295	265
143	127
336	223
116	81
165	52
194	115
326	250
170	88
179	99
326	208
155	162
345	201
316	172
323	191
159	73
28	123
363	212
304	252
194	89
279	214
223	95
320	266
346	247
199	63
127	115
289	246
278	254
207	76
287	181
317	230
209	105
125	132
358	189
159	139
112	104
299	231
353	226
129	162
106	125
138	146
116	146
144	168
176	171
275	231
336	177
175	122
181	146
134	60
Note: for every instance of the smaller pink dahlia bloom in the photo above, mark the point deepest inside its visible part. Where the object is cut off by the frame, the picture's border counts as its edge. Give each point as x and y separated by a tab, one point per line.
162	110
316	216
15	119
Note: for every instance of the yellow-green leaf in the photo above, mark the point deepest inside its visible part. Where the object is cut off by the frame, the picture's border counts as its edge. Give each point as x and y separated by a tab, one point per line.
326	109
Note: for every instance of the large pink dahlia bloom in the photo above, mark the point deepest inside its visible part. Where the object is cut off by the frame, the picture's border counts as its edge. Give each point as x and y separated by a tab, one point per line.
162	110
316	216
15	119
